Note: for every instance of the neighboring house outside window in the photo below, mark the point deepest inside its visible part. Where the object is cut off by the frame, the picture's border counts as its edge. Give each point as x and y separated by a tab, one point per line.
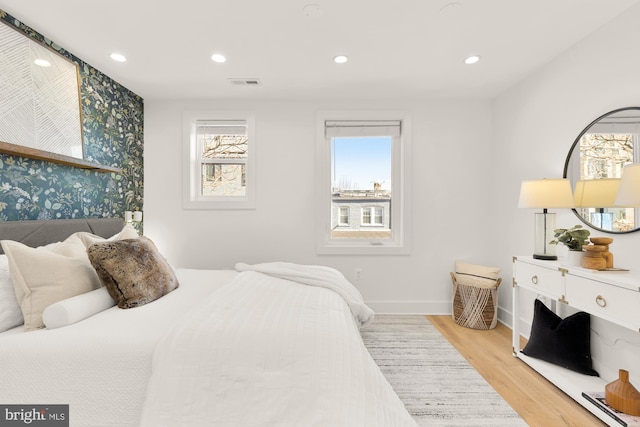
363	185
219	160
369	215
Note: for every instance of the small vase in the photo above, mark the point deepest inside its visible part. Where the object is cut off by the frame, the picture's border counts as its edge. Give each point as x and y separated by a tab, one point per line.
622	395
575	258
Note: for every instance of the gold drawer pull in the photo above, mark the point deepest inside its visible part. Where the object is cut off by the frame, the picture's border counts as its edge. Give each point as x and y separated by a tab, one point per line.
601	301
534	280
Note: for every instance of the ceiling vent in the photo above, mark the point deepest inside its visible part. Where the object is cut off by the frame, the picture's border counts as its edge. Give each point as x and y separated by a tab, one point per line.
245	82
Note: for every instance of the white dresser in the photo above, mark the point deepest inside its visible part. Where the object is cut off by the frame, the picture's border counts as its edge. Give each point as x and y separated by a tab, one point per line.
614	297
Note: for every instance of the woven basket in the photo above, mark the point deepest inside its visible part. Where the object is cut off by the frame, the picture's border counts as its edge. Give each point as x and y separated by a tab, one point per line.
473	306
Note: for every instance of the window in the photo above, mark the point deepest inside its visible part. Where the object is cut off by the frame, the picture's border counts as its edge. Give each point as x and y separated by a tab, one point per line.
604	155
344	215
372	216
363	168
377	215
219	160
366	216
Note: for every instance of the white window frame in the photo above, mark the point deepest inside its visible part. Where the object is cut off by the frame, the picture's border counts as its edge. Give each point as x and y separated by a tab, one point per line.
372	216
400	242
363	214
348	222
192	197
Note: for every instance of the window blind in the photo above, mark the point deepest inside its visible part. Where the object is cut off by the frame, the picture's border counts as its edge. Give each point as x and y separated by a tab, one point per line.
338	128
221	127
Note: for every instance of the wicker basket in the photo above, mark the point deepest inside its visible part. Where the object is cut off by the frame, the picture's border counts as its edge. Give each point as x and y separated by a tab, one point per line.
475	307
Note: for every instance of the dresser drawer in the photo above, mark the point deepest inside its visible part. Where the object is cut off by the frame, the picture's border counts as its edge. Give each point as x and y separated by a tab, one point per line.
541	280
610	302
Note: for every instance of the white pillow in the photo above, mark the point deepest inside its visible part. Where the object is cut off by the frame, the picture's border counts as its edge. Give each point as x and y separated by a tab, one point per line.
45	275
10	313
127	232
77	308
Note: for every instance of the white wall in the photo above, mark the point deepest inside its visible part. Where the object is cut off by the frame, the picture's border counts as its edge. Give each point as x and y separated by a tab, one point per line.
535	124
469	159
452	199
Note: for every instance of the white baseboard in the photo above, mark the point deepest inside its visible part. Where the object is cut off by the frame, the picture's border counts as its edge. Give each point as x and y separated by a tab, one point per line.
411	307
505	317
438	308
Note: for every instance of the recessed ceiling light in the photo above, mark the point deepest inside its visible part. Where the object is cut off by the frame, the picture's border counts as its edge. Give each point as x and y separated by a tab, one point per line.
118	57
42	63
216	57
472	59
450	8
312	11
340	59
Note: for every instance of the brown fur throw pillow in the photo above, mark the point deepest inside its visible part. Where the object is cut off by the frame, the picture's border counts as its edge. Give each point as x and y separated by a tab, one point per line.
132	270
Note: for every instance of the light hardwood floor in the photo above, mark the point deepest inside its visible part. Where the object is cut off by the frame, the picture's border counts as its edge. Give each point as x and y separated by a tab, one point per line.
538	401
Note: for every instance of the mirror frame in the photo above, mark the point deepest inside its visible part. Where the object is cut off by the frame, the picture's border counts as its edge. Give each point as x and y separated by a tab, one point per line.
568	160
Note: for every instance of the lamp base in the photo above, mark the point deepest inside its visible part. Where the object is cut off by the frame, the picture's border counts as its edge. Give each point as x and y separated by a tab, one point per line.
545	257
543	234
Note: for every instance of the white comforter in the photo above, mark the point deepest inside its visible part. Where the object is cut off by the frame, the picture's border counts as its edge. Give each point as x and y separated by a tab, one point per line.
227	348
317	275
265	351
101	365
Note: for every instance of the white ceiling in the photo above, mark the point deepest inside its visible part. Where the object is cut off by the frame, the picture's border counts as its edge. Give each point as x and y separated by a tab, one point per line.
396	48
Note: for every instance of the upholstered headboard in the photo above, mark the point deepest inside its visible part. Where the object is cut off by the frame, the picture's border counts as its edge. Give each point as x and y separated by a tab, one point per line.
38	233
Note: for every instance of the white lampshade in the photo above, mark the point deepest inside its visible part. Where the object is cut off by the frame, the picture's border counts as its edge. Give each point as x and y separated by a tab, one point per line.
629	191
546	193
596	193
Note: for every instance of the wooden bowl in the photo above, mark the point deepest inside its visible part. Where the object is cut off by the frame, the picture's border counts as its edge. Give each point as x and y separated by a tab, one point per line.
601	240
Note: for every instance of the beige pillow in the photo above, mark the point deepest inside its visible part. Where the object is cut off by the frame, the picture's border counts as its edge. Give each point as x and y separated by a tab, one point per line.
10	312
476	275
132	270
45	275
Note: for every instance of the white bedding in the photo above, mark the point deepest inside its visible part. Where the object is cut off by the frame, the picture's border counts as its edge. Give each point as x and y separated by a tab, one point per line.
317	275
264	351
227	348
101	365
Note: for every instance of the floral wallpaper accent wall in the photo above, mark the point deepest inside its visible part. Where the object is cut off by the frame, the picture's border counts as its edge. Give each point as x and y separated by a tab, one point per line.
113	136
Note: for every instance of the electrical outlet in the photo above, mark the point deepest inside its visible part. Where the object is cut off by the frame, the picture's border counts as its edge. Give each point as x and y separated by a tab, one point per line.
358	274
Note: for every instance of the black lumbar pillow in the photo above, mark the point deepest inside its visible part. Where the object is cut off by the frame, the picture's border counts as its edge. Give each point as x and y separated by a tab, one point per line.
564	342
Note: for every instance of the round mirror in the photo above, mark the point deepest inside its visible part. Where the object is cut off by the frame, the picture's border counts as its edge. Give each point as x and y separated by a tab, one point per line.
594	167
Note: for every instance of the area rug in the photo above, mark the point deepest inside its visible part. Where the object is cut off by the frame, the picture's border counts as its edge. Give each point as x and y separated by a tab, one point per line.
435	382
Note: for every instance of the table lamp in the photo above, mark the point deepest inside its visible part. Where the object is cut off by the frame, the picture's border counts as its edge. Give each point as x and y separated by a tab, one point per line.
598	194
629	191
545	194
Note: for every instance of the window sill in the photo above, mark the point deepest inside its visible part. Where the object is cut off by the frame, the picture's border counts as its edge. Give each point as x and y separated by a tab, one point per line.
370	247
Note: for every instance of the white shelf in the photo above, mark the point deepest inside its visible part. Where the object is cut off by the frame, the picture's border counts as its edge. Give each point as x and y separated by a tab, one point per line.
583	287
572	383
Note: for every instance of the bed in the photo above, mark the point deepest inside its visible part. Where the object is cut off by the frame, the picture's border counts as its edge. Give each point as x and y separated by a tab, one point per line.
273	344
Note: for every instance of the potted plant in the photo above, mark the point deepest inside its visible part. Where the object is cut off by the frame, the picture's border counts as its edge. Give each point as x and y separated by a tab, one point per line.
573	238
